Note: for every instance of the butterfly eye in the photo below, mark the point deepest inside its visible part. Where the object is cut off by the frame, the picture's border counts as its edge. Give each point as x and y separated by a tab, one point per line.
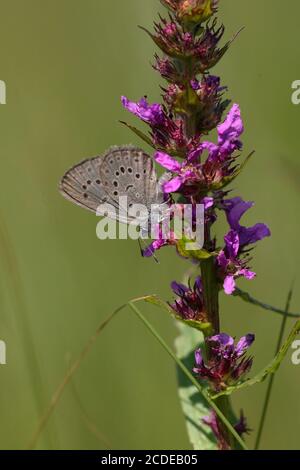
84	187
85	196
137	176
129	170
122	169
89	182
116	184
117	173
116	193
98	181
145	171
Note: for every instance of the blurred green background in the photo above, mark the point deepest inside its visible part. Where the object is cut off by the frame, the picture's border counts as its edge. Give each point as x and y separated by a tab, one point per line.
66	64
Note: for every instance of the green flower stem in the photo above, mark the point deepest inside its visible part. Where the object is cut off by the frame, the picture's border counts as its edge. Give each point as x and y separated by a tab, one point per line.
211	292
211	299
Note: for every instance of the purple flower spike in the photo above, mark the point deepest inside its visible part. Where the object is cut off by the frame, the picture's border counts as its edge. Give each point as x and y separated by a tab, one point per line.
152	114
227	363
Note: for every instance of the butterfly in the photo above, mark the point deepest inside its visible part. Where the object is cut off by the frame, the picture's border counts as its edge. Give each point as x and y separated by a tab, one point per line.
121	171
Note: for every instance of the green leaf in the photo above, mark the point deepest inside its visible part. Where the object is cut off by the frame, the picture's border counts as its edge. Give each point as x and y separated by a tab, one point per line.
139	133
193	404
270	369
195	254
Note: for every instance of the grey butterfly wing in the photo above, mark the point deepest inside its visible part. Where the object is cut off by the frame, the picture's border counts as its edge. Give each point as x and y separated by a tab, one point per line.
82	184
129	171
121	171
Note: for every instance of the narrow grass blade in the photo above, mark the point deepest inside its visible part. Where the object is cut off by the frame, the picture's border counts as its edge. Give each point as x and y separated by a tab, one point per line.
251	300
271	380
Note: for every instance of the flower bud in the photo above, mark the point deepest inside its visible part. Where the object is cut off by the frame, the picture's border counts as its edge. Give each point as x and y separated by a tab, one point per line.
196	11
192	11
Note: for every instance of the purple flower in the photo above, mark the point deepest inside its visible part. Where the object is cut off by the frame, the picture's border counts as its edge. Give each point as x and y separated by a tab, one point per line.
167	69
241	426
212	421
227	363
162	239
231	266
186	172
202	49
228	137
235	208
190	176
152	114
190	304
231	260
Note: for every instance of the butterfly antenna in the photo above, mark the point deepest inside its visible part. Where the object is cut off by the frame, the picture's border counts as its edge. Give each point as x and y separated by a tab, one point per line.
143	244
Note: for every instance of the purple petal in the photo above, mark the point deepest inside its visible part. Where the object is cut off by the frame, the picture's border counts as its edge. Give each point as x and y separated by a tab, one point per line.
195	84
243	344
222	346
229	284
232	242
213	150
198	357
194	155
222	260
179	289
173	185
230	130
247	274
253	234
152	114
154	246
167	162
238	207
222	339
208	202
198	284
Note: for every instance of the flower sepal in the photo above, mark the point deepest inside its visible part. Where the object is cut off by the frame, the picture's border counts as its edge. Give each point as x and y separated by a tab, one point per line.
205	327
